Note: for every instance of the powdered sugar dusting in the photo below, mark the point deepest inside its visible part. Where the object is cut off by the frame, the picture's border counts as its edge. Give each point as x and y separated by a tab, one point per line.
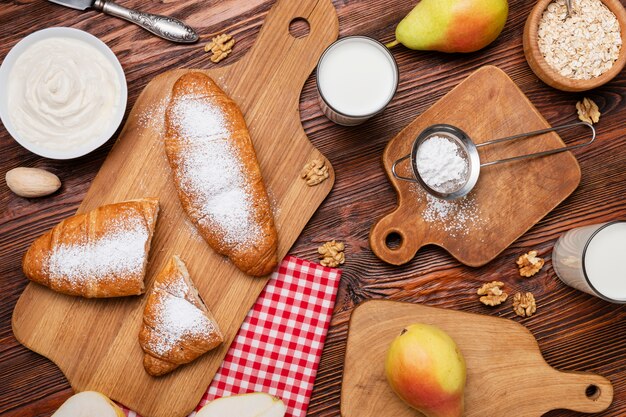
120	252
153	115
176	319
177	288
441	164
211	171
457	217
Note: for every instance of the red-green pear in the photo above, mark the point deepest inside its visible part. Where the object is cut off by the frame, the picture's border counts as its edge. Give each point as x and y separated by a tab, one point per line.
426	369
452	25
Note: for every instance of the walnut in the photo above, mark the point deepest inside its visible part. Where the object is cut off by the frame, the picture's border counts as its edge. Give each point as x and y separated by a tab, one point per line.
221	46
331	254
529	264
524	304
315	172
588	111
492	294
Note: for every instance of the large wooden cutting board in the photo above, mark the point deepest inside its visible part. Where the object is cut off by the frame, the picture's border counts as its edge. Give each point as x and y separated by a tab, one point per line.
506	374
508	198
94	342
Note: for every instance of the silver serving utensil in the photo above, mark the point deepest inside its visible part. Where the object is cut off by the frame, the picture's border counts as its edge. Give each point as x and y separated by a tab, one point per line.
568	4
166	27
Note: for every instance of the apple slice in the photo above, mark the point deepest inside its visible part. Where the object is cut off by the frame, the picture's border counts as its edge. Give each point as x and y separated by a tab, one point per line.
88	404
256	404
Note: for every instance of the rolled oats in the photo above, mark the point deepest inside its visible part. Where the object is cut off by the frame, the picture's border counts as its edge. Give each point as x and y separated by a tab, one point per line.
582	46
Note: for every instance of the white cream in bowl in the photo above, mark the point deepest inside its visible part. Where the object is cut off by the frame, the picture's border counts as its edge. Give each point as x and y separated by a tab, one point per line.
65	93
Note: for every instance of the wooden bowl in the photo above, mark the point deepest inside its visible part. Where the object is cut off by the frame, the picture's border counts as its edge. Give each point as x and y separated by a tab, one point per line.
549	76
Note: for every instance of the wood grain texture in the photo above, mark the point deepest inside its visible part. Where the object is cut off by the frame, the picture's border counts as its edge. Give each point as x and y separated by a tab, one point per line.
575	331
266	84
487	105
502	359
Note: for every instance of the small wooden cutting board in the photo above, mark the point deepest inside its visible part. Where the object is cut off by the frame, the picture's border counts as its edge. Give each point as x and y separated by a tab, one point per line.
508	198
506	373
94	342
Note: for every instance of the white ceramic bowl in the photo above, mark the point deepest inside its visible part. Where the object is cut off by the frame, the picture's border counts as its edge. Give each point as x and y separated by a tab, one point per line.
7	66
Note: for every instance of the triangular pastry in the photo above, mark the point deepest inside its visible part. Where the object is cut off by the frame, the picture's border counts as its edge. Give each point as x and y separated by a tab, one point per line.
177	325
101	253
217	175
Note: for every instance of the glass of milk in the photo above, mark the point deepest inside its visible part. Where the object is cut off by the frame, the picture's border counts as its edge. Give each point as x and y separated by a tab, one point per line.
356	78
591	259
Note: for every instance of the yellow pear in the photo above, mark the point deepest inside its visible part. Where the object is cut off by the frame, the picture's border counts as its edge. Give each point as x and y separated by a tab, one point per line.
426	369
452	25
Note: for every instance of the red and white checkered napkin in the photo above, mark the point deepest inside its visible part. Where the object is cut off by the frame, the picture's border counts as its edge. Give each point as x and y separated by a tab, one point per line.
278	347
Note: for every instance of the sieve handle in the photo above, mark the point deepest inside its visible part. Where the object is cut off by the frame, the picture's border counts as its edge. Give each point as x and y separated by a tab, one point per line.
538	132
398	176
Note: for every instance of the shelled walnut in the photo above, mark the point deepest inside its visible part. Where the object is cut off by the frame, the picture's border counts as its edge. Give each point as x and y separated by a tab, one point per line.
332	254
492	294
529	264
315	172
588	111
221	46
524	304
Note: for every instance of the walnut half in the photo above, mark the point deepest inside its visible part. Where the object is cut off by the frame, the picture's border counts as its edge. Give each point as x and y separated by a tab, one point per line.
524	304
588	111
529	264
492	294
220	46
315	172
331	254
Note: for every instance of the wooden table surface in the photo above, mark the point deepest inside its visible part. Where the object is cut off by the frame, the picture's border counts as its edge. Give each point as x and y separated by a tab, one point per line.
575	331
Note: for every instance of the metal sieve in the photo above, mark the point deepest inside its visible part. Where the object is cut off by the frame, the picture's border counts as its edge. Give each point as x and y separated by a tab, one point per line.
469	151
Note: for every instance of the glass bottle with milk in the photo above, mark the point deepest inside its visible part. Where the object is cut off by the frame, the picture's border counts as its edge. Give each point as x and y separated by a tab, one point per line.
591	259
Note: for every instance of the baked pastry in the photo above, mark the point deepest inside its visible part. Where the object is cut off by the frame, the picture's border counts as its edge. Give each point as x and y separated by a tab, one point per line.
177	325
217	174
101	253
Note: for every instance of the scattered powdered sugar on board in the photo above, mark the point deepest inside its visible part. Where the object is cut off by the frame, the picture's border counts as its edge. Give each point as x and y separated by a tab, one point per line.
118	253
177	319
441	164
193	231
211	171
153	116
274	205
457	217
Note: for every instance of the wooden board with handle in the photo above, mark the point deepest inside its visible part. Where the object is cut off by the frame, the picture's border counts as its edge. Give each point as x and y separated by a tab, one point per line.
506	373
94	342
508	199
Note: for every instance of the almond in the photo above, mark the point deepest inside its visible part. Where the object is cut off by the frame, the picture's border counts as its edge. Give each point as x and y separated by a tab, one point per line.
32	182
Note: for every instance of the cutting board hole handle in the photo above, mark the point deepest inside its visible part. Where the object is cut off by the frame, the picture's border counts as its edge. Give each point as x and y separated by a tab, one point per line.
593	392
394	240
299	27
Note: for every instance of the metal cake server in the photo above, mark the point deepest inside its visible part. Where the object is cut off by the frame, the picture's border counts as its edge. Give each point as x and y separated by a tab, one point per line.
166	27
